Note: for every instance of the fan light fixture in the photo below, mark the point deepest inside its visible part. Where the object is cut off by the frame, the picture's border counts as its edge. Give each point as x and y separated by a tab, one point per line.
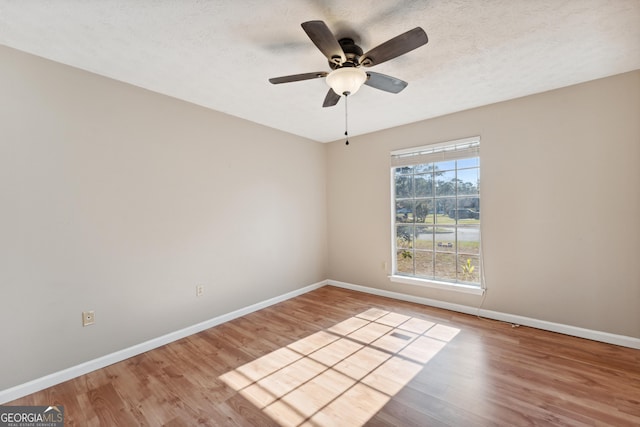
346	80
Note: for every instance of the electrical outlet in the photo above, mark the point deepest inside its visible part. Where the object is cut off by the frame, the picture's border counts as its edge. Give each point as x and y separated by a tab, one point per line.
199	290
88	318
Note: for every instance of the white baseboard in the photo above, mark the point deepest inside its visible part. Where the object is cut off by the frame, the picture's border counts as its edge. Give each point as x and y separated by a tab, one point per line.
38	384
621	340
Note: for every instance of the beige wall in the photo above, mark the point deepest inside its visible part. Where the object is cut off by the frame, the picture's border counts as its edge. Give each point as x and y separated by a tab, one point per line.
560	204
120	200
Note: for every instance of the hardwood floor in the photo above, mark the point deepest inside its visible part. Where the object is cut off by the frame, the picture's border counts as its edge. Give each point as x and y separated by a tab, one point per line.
339	357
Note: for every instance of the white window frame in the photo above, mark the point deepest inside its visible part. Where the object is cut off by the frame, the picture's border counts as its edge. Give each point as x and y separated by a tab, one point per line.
417	155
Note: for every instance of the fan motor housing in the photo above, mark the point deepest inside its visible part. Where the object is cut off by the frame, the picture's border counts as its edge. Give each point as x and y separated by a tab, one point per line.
352	51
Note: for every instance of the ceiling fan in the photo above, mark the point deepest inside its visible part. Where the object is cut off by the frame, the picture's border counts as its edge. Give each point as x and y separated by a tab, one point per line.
345	59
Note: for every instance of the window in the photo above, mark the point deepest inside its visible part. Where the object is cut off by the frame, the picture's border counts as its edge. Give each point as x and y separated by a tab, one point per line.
436	213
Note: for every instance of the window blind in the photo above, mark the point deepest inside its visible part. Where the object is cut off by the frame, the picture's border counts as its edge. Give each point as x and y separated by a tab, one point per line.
451	150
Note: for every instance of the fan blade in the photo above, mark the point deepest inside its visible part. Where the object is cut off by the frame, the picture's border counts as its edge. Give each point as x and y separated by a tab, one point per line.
324	40
384	82
395	47
298	77
331	99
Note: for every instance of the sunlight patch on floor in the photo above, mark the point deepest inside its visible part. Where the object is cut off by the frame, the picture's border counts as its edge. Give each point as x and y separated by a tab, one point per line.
344	374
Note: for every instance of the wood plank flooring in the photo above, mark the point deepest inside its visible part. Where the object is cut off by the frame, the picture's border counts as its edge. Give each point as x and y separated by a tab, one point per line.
339	357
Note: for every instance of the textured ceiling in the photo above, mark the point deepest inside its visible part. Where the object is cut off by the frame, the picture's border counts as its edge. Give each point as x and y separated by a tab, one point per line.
220	53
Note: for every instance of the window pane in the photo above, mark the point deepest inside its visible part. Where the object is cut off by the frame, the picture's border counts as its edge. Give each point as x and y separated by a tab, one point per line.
445	239
404	186
446	183
469	202
404	211
425	167
445	166
468	181
469	269
468	211
429	206
469	239
422	210
404	236
447	209
404	261
424	237
423	185
424	264
469	163
445	266
405	170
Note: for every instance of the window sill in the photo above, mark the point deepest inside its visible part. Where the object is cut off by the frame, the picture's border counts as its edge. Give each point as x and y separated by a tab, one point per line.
456	287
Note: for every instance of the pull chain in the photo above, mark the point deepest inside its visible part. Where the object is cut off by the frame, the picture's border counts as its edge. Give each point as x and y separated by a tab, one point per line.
346	119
